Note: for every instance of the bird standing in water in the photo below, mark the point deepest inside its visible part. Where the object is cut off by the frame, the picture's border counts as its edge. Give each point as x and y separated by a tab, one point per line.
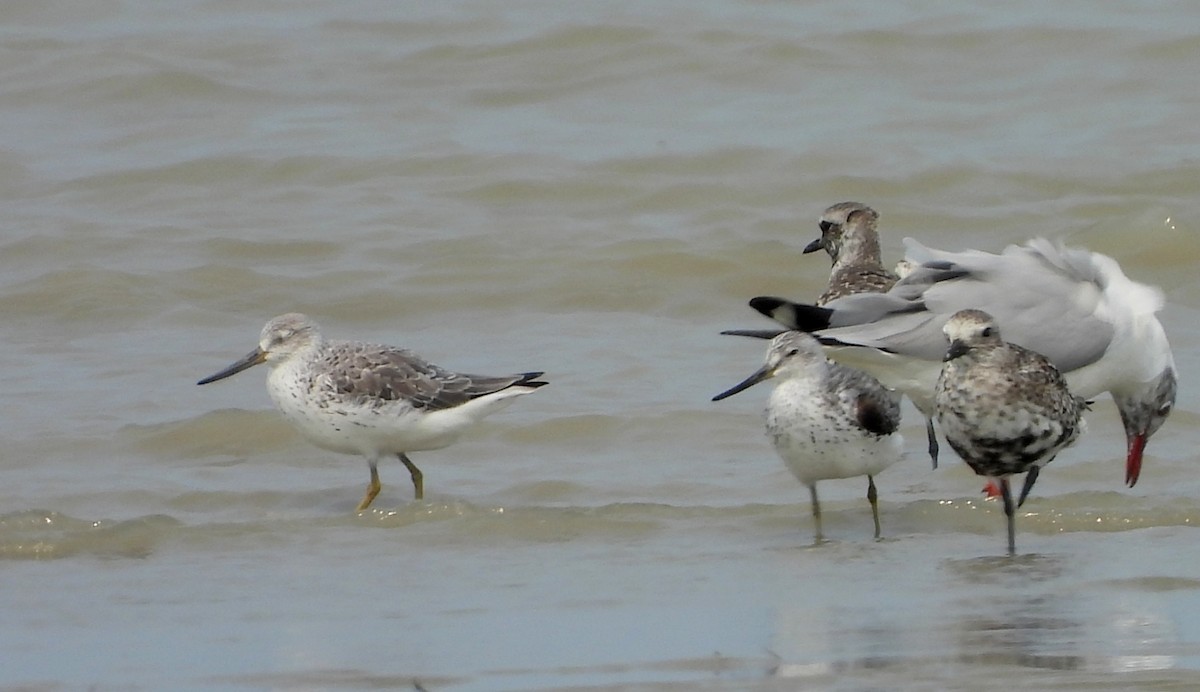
357	398
826	420
1003	408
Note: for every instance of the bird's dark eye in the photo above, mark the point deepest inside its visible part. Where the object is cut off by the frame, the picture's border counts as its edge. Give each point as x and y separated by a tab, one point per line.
987	331
1164	410
826	225
792	352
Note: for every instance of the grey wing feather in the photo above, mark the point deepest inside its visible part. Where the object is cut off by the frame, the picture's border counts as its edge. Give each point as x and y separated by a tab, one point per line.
459	389
1025	288
383	373
863	308
1027	291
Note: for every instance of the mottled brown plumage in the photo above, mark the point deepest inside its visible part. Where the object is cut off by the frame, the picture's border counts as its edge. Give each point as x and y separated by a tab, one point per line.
1003	408
849	236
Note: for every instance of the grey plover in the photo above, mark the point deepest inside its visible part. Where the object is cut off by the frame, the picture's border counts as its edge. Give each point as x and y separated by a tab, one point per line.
1074	306
358	398
849	236
1005	409
826	420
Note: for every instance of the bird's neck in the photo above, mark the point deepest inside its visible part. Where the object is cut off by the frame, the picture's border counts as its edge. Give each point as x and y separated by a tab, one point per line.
858	250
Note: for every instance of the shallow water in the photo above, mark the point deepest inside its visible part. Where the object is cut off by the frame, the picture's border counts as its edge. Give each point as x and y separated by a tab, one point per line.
594	192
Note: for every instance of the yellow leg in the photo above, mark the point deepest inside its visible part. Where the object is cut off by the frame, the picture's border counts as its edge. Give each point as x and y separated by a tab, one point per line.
372	489
418	478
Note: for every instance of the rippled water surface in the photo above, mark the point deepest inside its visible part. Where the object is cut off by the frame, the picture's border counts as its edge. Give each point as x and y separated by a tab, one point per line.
593	190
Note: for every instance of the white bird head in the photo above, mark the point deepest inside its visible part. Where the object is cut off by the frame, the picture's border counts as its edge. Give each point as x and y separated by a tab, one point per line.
281	338
789	353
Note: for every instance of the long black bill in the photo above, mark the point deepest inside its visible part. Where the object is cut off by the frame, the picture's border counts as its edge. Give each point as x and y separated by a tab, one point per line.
250	360
754	333
818	244
763	373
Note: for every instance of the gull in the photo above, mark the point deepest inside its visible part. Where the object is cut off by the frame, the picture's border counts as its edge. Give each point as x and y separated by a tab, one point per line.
1074	306
358	398
1004	409
826	420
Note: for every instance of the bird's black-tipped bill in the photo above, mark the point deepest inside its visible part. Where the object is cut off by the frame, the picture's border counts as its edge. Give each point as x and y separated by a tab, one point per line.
754	333
763	373
252	358
818	244
957	348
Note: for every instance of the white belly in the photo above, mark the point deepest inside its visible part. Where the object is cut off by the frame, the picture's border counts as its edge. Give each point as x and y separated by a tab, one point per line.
817	444
345	425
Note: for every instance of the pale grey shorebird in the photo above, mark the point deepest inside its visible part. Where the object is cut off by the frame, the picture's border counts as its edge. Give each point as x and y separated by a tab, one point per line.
357	398
1004	409
1076	307
850	236
826	420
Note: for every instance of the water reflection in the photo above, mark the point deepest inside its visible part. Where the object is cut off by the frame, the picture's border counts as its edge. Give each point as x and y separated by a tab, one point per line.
854	617
1037	612
1030	632
1005	571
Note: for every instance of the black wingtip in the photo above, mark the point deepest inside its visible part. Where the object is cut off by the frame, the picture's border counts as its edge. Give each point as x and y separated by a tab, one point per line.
529	379
767	304
799	316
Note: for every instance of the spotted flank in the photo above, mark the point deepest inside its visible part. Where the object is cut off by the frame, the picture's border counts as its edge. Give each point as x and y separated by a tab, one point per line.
825	420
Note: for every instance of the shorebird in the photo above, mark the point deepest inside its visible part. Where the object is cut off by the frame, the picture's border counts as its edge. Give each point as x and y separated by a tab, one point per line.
850	236
358	398
1003	408
826	420
1076	307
